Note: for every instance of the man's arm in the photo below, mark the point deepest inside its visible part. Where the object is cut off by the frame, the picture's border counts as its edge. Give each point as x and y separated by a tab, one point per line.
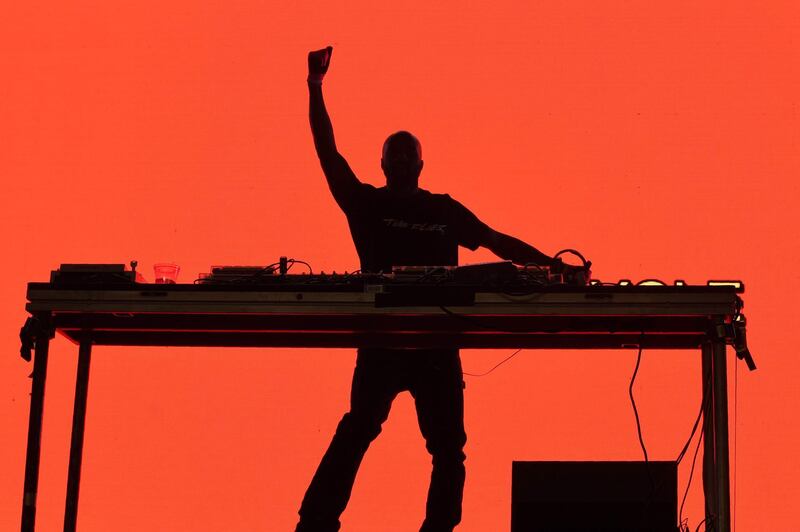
473	233
341	179
509	248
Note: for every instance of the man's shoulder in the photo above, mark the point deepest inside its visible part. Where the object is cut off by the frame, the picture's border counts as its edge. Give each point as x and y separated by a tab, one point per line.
365	191
366	187
427	195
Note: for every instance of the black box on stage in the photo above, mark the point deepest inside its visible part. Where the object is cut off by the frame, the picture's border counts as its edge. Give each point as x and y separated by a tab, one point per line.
594	496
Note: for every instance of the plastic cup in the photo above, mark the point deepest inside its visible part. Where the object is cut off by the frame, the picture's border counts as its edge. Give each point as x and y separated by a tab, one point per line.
166	273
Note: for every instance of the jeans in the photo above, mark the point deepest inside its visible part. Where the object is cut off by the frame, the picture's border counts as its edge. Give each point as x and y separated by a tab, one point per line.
434	379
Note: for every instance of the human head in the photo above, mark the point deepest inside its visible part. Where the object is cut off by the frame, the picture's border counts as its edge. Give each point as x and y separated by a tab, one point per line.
401	161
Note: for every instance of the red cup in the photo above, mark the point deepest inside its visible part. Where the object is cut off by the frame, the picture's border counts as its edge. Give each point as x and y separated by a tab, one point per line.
166	272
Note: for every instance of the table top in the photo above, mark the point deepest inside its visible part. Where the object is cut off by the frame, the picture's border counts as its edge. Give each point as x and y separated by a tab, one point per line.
357	313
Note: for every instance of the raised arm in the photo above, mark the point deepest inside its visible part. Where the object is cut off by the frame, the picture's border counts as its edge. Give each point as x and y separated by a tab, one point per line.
341	179
321	127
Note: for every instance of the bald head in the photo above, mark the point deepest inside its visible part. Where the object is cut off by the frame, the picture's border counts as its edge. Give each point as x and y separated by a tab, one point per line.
401	161
402	143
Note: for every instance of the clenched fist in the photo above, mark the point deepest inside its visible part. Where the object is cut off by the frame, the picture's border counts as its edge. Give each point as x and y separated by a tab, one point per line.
318	62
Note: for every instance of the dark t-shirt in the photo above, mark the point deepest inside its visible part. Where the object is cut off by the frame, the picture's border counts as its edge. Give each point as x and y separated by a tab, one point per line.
421	229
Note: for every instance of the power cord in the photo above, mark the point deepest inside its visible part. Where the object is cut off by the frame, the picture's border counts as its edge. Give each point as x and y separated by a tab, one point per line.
684	524
496	366
635	410
649	499
684	527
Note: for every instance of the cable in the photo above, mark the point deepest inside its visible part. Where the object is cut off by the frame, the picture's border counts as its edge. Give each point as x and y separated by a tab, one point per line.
691	474
701	524
703	406
351	274
636	411
496	366
475	322
639	432
292	262
573	252
691	435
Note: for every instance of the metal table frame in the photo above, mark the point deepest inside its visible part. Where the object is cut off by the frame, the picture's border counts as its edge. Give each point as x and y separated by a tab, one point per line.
597	317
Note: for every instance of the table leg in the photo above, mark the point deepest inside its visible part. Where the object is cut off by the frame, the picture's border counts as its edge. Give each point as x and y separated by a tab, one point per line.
33	453
721	458
716	469
709	464
78	424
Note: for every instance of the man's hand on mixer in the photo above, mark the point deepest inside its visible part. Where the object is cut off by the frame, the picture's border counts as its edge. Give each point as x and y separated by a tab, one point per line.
580	274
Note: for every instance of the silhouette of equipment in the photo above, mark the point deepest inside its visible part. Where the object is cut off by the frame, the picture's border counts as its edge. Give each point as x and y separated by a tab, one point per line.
287	304
596	496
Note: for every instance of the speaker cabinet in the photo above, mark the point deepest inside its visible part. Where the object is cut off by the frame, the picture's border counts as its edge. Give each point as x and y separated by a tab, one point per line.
594	497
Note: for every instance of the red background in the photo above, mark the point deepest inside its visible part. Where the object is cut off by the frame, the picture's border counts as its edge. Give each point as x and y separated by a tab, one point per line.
661	139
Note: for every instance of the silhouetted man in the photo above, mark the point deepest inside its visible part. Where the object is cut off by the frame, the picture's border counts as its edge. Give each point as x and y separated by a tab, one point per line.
398	225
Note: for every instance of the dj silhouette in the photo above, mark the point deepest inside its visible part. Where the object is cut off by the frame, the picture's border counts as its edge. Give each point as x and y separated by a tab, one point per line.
399	224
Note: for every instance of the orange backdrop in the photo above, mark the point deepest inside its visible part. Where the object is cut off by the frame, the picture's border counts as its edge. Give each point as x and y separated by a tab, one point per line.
660	138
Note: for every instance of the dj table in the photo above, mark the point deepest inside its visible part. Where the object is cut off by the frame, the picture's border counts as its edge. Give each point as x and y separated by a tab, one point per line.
363	311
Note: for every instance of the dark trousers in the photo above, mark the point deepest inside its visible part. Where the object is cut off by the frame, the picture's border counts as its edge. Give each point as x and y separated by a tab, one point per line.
434	379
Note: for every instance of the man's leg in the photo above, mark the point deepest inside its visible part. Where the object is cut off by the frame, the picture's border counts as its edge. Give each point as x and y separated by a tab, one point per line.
371	397
439	397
